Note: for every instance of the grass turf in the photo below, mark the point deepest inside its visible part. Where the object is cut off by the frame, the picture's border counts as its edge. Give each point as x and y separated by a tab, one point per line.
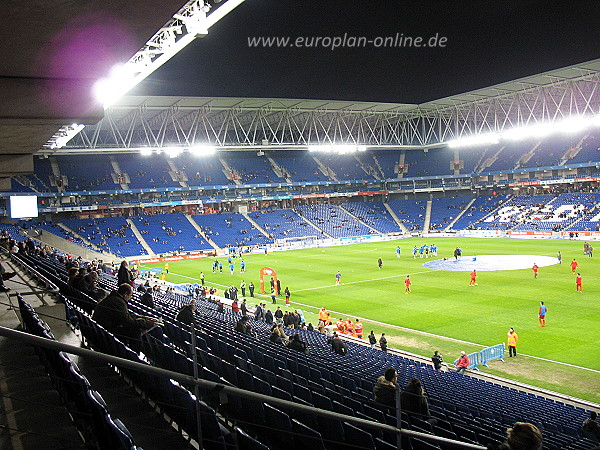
441	302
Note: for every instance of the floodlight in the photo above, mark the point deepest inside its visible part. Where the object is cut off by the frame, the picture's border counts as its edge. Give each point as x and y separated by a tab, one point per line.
574	124
172	152
202	150
472	141
146	151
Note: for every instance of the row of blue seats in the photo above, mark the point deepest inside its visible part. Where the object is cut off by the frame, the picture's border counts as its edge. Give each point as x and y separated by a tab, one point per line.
85	405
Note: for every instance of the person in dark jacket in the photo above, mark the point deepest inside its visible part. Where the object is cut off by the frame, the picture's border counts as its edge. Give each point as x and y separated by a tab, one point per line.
383	342
186	313
146	298
413	399
385	388
124	274
296	344
337	345
112	314
437	360
269	317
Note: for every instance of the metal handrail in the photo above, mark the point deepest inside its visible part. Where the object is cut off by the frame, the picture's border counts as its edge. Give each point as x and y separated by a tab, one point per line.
218	387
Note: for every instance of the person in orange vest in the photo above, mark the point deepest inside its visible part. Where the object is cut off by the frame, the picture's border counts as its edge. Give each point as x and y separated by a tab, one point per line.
341	326
512	343
163	277
328	320
323	315
358	329
167	267
350	327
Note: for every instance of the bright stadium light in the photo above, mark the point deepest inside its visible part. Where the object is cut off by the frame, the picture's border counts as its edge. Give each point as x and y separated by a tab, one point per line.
146	151
473	141
339	149
202	150
64	135
172	152
186	25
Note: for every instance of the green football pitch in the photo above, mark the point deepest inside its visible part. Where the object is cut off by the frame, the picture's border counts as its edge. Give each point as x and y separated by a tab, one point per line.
441	302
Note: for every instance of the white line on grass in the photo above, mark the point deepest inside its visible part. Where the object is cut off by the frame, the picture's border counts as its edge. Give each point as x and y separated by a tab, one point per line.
360	281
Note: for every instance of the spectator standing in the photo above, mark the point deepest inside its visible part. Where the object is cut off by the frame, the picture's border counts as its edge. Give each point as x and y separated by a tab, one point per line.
383	342
124	275
513	337
463	363
372	339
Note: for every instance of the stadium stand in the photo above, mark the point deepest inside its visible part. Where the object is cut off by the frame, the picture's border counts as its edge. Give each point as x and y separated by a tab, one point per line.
433	162
230	230
373	214
85	172
300	166
320	378
446	209
283	223
410	212
111	234
333	220
250	169
166	233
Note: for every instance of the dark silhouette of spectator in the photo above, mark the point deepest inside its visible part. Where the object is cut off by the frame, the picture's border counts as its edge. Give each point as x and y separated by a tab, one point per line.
112	314
385	388
186	313
338	345
146	298
522	436
591	425
298	345
413	399
243	326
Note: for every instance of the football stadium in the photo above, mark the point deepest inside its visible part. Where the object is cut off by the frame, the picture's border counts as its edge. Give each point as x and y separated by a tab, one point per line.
234	272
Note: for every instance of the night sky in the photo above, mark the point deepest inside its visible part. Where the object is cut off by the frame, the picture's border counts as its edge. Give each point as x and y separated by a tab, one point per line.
487	43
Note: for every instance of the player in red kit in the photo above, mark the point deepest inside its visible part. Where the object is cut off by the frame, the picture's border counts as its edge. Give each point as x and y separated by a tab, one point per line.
473	281
535	269
578	285
574	265
407	283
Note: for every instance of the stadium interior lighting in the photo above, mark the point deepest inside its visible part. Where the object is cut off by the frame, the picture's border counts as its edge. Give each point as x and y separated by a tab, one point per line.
473	141
172	152
64	135
184	27
337	149
202	150
572	124
146	151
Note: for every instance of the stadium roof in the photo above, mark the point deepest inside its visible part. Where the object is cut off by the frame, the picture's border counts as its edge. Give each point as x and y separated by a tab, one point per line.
546	79
135	122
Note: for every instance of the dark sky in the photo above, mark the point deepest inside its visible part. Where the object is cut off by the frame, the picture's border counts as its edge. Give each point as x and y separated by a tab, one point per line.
487	43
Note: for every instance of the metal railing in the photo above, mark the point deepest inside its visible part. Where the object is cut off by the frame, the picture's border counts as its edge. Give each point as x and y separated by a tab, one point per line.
221	388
